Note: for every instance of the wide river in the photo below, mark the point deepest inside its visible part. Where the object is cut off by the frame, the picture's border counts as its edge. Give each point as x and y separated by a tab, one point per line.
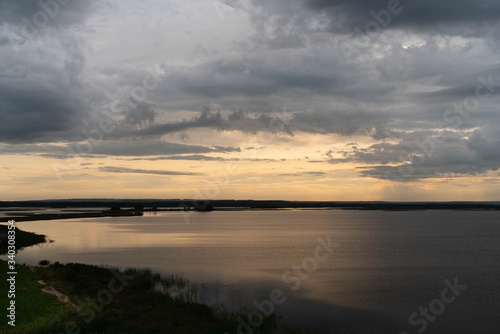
336	270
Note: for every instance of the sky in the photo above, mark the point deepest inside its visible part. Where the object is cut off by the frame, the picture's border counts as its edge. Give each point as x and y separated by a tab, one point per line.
250	99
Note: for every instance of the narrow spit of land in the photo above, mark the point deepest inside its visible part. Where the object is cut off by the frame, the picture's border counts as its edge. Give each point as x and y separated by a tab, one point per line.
55	216
23	239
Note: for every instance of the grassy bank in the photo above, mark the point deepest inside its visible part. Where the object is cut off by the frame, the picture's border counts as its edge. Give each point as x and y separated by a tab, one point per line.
107	301
35	310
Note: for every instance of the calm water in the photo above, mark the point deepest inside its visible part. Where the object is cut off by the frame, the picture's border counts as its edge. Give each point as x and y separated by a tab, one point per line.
386	266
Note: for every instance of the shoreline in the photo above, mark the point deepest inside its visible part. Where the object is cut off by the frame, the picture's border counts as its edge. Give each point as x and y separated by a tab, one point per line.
111	301
28	216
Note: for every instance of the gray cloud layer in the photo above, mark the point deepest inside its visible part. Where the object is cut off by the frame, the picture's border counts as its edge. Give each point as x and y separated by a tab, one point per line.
110	169
452	17
61	14
396	88
450	155
115	148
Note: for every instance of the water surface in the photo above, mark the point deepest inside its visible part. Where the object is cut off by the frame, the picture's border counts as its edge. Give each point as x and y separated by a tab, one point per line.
386	266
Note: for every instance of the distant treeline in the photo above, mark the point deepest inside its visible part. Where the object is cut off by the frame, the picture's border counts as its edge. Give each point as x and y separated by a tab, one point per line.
252	204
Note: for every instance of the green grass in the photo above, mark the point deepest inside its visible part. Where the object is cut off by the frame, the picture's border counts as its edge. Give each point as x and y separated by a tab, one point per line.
36	311
140	307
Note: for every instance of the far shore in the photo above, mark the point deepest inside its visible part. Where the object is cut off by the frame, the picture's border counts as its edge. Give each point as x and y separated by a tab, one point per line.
21	211
29	216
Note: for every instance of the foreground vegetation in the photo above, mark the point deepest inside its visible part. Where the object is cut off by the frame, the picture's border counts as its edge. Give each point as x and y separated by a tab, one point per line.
36	311
33	306
107	301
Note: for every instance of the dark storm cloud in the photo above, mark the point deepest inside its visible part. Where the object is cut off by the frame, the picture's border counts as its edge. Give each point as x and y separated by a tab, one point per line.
235	121
142	115
42	62
419	156
40	93
148	148
195	157
199	157
487	150
315	173
111	169
30	111
345	122
461	85
263	86
116	148
254	82
60	13
425	172
463	17
367	95
249	77
305	174
206	119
